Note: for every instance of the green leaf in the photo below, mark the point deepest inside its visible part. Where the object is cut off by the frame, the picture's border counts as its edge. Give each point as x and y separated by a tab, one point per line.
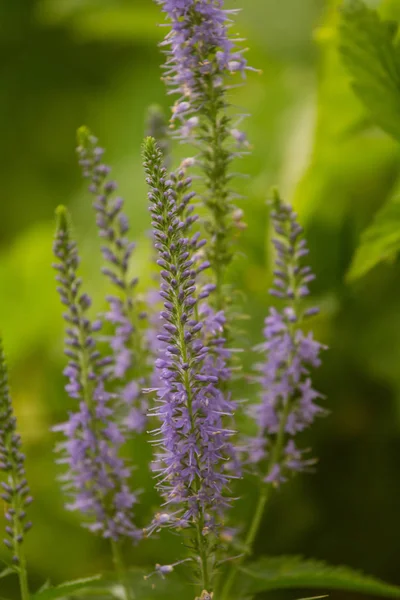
143	588
285	572
66	589
6	572
380	241
372	57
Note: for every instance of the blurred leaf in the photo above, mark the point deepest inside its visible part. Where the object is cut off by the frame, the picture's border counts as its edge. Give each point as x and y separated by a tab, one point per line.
6	572
369	51
65	589
380	241
314	597
107	22
285	572
169	588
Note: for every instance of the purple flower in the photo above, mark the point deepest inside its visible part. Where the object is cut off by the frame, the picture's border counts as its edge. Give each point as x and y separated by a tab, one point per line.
126	341
200	50
193	443
14	487
287	398
201	56
97	479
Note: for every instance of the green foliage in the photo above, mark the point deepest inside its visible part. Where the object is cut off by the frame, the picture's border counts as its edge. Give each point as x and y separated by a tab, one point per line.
143	588
66	589
291	572
372	56
6	572
380	241
371	53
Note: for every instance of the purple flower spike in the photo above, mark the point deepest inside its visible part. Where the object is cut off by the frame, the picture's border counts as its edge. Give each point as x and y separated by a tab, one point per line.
14	487
199	51
288	400
194	444
201	58
123	314
97	480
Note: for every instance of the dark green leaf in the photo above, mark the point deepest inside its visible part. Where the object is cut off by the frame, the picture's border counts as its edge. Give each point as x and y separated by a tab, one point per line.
380	241
372	57
66	589
272	573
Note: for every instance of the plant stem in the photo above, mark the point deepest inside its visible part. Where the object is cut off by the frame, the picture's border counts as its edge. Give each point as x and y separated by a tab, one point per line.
120	568
23	577
262	502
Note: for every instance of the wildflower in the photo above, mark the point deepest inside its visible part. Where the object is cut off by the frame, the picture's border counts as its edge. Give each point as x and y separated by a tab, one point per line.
15	490
97	479
123	314
193	441
201	57
287	396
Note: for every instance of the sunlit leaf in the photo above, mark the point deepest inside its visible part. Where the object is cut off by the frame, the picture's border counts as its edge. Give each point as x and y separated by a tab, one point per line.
369	51
380	241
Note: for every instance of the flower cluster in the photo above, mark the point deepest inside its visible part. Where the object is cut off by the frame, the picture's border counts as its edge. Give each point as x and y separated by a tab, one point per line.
200	51
194	443
113	226
287	396
15	490
97	480
200	57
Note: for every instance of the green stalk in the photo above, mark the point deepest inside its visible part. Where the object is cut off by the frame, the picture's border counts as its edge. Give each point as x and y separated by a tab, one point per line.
216	172
23	577
265	494
120	569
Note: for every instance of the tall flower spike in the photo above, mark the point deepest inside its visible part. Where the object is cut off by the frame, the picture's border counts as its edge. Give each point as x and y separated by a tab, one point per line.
126	342
287	403
15	491
97	480
194	443
201	57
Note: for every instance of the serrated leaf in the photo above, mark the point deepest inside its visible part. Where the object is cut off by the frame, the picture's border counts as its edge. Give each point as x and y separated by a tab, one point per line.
284	572
370	52
380	241
66	589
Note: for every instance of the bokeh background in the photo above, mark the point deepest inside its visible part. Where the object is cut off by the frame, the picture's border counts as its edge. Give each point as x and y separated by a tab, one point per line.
64	63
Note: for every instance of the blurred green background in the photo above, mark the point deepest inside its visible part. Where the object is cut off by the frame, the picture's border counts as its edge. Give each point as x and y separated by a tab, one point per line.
64	63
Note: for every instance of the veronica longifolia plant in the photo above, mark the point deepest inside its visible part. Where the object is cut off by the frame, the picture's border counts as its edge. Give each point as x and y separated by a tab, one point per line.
170	376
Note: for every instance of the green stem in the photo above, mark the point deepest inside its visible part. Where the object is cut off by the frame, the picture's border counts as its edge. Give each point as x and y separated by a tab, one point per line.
120	569
217	202
260	509
23	577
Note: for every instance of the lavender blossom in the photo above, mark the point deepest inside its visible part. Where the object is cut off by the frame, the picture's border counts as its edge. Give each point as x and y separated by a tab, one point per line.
201	57
287	403
193	440
15	490
97	480
128	366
